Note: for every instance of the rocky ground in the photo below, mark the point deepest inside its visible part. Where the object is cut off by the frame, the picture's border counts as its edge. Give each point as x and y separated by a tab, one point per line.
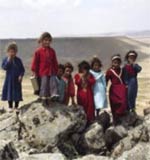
60	132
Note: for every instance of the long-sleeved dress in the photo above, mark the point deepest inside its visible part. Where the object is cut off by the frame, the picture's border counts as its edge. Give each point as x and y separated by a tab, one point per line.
117	91
12	89
130	78
99	90
69	90
85	95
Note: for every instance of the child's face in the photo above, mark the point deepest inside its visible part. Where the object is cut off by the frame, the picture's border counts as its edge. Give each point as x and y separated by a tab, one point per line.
46	42
60	72
131	59
116	63
96	67
85	72
68	72
11	53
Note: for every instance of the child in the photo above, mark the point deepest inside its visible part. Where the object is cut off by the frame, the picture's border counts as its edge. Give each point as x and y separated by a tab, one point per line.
131	69
12	89
117	92
61	83
85	81
99	89
45	66
70	89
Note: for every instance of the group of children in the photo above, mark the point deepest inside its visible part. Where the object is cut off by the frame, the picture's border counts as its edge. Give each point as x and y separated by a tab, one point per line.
58	84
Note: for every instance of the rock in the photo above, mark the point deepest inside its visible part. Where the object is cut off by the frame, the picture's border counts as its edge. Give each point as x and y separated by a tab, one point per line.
131	119
146	111
47	128
114	134
7	151
44	156
140	152
92	140
93	157
104	120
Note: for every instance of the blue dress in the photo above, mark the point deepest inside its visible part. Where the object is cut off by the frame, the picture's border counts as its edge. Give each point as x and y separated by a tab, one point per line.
130	79
12	90
99	90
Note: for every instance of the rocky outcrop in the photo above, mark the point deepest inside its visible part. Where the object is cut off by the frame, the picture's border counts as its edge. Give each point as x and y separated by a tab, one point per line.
60	132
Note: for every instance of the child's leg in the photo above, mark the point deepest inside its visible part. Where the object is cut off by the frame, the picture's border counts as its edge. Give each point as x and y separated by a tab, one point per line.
97	112
16	105
44	90
53	85
10	104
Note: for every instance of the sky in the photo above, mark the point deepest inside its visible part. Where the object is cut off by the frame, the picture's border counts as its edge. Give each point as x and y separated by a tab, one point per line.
29	18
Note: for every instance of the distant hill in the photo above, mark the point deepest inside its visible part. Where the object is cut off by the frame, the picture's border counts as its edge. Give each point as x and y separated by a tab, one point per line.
76	49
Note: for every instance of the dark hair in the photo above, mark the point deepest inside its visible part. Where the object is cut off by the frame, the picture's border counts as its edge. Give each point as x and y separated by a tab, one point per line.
61	66
131	51
45	35
69	65
96	60
83	65
116	55
12	46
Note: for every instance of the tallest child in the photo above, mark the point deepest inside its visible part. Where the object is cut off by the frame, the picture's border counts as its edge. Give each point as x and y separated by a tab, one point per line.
45	66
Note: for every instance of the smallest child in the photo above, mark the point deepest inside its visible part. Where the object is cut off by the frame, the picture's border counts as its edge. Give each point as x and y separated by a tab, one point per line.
61	83
99	89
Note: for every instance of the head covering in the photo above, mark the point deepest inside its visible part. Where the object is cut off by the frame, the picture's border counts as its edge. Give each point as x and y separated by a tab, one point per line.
131	53
116	57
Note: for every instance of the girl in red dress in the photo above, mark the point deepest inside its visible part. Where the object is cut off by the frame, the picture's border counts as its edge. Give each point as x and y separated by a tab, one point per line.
118	91
45	67
85	81
70	89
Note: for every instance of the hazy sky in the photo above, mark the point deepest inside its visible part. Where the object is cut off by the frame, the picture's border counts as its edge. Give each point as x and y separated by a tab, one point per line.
28	18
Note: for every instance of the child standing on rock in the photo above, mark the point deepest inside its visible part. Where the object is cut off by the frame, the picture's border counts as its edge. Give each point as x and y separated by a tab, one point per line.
118	91
85	82
12	88
45	66
131	70
70	89
99	88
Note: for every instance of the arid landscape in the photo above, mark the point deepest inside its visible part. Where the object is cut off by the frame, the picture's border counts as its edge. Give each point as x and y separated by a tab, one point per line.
76	49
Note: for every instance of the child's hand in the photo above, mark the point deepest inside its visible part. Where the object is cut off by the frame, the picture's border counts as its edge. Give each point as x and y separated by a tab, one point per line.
20	78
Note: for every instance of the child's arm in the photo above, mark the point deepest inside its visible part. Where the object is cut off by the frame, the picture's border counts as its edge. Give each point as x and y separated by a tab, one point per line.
72	91
125	76
22	71
6	64
35	64
91	80
137	68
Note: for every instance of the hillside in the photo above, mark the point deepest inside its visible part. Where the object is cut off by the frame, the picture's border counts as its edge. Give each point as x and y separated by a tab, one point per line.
76	49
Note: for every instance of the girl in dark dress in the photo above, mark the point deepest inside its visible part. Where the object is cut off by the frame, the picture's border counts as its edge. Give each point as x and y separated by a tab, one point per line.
12	89
131	70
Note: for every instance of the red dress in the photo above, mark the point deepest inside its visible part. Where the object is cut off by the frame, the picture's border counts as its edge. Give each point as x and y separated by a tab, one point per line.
44	62
117	92
69	90
85	95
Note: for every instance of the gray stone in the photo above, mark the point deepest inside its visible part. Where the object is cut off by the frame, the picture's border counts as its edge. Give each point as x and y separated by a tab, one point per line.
92	140
7	150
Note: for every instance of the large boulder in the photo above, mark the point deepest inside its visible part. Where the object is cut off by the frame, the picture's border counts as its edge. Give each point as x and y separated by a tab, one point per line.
46	128
7	150
92	140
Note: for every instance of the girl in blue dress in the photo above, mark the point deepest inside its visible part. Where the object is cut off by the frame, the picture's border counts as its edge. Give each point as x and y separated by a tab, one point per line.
12	89
99	89
130	72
